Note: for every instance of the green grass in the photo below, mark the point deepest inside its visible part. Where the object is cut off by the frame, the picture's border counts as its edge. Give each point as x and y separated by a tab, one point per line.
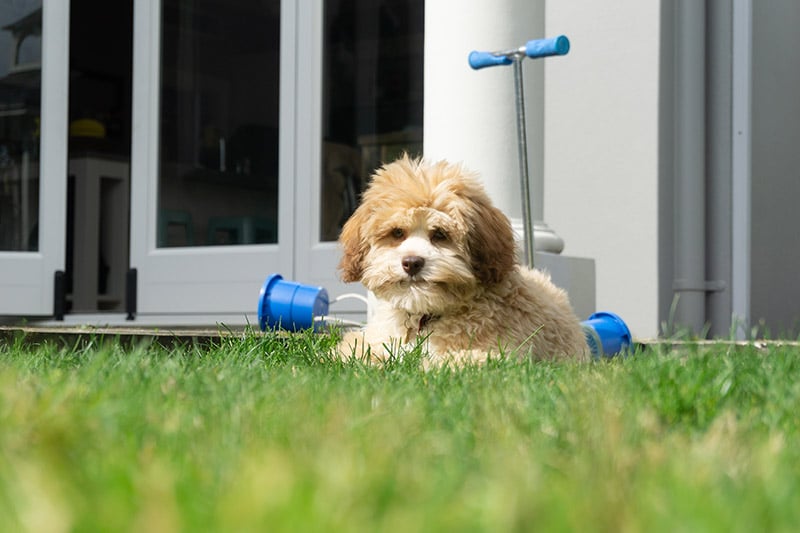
265	433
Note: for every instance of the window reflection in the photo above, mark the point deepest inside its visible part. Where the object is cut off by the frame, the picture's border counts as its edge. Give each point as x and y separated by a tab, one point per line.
372	96
219	122
20	90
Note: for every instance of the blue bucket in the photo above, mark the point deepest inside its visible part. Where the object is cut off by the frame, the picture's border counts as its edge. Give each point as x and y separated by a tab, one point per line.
290	305
606	334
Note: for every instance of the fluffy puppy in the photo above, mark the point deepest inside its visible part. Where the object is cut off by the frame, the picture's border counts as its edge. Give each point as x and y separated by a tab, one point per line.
441	260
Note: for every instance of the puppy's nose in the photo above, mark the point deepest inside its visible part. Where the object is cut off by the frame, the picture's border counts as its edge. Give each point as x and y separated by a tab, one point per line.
412	264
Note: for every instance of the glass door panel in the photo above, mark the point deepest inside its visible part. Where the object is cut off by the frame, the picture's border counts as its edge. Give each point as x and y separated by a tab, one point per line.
372	88
33	109
218	180
20	109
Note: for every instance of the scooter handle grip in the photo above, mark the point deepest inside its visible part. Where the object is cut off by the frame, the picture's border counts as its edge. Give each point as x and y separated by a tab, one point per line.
554	46
478	60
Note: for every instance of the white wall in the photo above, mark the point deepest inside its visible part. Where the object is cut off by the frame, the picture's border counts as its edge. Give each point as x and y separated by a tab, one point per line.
601	149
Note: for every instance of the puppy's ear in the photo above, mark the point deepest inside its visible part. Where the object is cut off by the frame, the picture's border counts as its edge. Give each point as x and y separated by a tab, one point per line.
354	245
490	241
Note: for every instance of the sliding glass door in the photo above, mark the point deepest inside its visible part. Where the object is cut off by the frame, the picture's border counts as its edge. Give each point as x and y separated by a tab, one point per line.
211	166
256	124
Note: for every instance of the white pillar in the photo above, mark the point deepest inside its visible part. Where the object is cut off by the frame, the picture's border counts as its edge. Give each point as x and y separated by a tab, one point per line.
470	115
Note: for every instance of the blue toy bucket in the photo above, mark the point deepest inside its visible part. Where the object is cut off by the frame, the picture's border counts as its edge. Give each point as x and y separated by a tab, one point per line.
606	334
290	305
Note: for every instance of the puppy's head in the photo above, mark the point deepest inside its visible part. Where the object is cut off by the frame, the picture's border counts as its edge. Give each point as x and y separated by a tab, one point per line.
425	235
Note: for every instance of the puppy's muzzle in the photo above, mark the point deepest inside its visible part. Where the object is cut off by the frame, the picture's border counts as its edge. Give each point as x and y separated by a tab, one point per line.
412	264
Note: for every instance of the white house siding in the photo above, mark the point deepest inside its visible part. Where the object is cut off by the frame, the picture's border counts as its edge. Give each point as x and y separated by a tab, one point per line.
601	149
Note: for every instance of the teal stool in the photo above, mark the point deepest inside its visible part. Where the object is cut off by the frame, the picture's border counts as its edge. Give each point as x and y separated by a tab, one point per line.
170	217
241	230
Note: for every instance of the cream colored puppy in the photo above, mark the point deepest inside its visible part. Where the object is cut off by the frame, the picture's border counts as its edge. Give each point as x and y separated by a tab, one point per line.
441	260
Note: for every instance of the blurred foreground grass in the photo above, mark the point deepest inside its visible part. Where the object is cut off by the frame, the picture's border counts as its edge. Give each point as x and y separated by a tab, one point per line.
265	433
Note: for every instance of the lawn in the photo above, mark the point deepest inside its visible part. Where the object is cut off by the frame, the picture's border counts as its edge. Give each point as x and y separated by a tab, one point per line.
266	433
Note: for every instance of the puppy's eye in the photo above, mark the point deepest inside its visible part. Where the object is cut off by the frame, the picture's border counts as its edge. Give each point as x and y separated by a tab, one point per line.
397	233
438	235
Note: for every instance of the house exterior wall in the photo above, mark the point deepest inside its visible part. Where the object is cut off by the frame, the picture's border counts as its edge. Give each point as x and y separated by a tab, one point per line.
597	131
775	173
601	149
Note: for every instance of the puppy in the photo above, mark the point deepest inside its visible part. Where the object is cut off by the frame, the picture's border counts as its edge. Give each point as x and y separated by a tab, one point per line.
441	260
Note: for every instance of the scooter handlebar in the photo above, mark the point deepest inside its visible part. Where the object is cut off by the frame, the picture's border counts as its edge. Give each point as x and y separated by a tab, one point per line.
554	46
478	60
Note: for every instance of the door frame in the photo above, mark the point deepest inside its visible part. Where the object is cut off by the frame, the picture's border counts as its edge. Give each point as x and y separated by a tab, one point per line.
181	282
27	284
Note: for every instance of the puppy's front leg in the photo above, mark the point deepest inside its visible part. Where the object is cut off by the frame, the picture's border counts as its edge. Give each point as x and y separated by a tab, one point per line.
356	344
455	358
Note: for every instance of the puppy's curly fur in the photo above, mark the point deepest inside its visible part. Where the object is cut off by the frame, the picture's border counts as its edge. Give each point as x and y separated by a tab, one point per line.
441	260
